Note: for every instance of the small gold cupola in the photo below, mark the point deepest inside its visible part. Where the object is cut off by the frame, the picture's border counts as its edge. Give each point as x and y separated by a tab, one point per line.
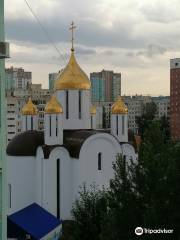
119	107
53	106
29	108
93	110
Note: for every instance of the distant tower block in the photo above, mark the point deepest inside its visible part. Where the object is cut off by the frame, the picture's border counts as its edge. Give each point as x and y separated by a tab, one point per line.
29	116
175	98
119	120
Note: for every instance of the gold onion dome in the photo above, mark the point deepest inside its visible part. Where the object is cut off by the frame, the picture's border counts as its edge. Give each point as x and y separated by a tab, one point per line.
29	108
119	107
72	77
53	106
93	110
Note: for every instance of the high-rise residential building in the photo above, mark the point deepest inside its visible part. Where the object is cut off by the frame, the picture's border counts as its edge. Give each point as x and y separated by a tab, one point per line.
97	87
52	78
163	106
16	100
135	106
17	78
9	81
4	53
106	86
175	98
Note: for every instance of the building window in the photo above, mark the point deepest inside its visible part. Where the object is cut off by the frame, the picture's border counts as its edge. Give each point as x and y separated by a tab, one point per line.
99	161
117	127
50	130
9	194
122	124
58	188
26	122
80	104
31	122
91	121
56	125
67	105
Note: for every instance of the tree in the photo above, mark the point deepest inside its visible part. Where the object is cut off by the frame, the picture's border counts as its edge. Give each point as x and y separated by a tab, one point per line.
159	186
88	212
123	204
149	112
144	193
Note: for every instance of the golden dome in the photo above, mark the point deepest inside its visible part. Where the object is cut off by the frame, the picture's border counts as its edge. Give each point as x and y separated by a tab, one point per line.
72	77
93	110
29	108
119	107
53	106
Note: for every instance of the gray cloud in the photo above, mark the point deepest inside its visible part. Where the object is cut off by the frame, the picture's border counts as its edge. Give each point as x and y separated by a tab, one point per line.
88	33
152	50
162	11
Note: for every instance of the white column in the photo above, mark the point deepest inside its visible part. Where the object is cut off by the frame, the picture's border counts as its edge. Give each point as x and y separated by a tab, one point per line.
93	121
29	122
119	126
53	124
73	121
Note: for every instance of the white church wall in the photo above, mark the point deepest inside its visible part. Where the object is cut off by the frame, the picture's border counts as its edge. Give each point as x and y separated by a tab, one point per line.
21	177
50	183
39	175
74	122
122	132
27	124
129	152
88	162
51	136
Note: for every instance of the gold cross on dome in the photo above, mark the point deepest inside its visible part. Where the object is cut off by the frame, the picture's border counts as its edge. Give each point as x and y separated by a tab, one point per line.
72	39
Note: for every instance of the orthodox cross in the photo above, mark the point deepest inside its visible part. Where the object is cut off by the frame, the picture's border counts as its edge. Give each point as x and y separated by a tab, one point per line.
72	39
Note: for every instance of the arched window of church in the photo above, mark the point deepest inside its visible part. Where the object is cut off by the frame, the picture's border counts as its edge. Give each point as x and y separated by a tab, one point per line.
31	122
80	104
50	127
117	125
56	125
26	123
122	124
9	195
99	161
58	187
67	104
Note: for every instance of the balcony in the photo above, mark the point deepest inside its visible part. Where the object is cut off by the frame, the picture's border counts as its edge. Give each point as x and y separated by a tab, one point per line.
4	50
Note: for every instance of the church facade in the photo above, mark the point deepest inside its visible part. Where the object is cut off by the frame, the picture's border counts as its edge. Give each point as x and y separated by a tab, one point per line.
48	167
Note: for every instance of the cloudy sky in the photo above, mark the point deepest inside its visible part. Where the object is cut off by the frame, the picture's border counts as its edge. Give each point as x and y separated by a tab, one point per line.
136	38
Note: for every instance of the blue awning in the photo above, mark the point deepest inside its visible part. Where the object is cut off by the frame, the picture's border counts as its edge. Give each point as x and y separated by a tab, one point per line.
33	220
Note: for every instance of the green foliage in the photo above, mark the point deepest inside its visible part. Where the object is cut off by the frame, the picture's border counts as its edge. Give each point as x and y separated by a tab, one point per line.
146	193
88	213
149	111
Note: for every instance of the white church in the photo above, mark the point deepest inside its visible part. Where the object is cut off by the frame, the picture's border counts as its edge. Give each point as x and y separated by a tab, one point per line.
47	168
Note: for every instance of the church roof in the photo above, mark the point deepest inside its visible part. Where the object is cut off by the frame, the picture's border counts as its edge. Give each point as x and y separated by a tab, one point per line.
29	108
119	107
26	143
53	106
72	77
